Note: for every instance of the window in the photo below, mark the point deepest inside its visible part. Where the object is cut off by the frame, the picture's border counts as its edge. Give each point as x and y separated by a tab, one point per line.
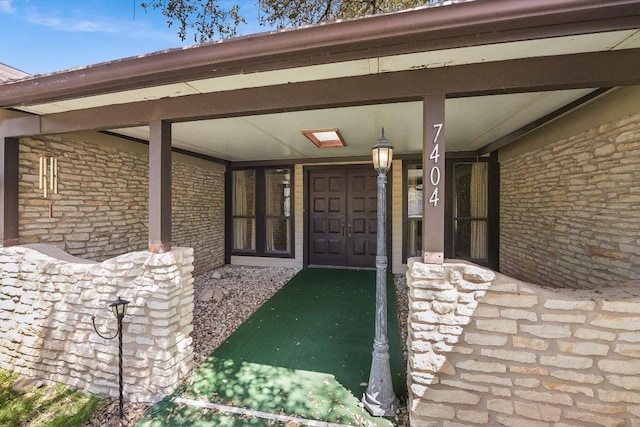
244	208
470	210
261	212
467	232
278	212
414	210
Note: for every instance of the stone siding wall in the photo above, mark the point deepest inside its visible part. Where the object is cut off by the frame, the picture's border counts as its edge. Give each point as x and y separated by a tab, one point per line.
198	213
570	211
101	210
46	331
485	349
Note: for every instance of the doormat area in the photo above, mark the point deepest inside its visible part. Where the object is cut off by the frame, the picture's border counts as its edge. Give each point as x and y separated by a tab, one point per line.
306	353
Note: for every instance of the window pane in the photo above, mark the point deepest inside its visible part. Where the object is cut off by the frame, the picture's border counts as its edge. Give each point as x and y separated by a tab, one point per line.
414	237
471	239
244	191
244	234
414	191
462	188
244	202
278	239
278	183
470	210
470	186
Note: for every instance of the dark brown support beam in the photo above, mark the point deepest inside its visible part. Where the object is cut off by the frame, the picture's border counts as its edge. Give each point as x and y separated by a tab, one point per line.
9	159
583	70
159	186
433	179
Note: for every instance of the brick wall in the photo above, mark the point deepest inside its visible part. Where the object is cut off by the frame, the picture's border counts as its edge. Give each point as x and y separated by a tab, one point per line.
486	349
101	208
46	331
570	211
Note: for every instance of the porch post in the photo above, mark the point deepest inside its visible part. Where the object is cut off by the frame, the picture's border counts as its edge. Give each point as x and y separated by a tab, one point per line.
159	186
9	159
433	179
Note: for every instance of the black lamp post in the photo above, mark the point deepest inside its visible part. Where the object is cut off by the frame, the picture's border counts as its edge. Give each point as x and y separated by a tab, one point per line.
379	399
119	308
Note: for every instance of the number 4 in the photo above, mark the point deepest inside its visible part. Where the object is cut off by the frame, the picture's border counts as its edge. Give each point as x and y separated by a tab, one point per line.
434	199
435	153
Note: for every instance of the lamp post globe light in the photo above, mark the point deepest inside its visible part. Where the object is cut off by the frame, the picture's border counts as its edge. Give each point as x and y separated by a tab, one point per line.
379	398
119	308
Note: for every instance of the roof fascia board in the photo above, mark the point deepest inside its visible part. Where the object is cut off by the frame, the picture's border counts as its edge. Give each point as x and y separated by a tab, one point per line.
584	70
421	29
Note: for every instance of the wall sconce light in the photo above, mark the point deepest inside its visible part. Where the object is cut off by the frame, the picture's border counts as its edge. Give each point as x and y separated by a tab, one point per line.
119	308
48	175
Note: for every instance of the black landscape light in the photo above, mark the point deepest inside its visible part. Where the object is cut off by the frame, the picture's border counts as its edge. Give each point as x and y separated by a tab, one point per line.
119	308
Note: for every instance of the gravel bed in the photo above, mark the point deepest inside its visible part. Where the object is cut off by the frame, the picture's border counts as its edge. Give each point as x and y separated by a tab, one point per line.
402	295
223	299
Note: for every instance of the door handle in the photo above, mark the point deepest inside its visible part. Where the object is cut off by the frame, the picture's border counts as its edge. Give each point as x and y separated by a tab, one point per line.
343	227
349	228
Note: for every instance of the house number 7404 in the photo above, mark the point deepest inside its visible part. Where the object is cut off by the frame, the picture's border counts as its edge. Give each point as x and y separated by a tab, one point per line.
434	173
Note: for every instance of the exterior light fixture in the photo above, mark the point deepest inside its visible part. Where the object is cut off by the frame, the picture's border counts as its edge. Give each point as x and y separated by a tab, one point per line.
382	154
325	138
119	308
379	398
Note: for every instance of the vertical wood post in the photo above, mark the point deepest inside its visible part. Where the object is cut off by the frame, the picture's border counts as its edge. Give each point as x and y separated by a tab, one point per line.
9	159
433	178
159	186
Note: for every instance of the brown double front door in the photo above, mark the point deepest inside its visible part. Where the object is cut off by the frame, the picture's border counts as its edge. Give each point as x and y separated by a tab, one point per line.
342	217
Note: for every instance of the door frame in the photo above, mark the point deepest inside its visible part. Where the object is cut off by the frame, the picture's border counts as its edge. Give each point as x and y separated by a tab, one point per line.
307	193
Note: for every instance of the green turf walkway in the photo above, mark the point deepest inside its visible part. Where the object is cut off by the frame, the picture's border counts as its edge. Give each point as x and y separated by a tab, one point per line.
306	352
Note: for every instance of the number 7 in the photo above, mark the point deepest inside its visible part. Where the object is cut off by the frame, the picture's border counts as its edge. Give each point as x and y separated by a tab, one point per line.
437	126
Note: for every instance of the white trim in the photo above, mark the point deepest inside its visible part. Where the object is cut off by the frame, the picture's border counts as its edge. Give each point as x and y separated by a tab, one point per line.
257	414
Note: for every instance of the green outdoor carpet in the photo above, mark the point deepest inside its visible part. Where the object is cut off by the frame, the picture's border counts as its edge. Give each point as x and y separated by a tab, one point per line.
306	352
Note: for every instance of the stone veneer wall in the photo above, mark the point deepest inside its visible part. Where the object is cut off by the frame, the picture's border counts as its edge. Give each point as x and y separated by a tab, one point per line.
485	349
102	207
46	331
570	211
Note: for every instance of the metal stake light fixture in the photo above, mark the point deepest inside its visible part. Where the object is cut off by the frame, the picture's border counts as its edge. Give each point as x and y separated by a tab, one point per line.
379	398
119	308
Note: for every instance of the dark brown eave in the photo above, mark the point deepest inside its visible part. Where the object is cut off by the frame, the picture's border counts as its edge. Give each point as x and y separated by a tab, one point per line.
478	22
583	70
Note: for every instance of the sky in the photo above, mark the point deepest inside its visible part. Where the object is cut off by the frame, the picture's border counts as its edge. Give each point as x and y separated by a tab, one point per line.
44	36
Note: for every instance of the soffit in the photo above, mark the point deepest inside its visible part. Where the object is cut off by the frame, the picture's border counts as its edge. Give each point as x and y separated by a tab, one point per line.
440	58
471	123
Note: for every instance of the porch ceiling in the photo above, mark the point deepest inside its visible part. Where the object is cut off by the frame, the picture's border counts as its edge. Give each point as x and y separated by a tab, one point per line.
473	122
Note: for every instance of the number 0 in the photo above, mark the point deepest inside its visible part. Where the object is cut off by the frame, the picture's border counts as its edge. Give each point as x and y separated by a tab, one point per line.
435	176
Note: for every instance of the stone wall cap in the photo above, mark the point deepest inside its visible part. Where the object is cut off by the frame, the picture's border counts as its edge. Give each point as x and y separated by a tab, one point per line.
57	253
